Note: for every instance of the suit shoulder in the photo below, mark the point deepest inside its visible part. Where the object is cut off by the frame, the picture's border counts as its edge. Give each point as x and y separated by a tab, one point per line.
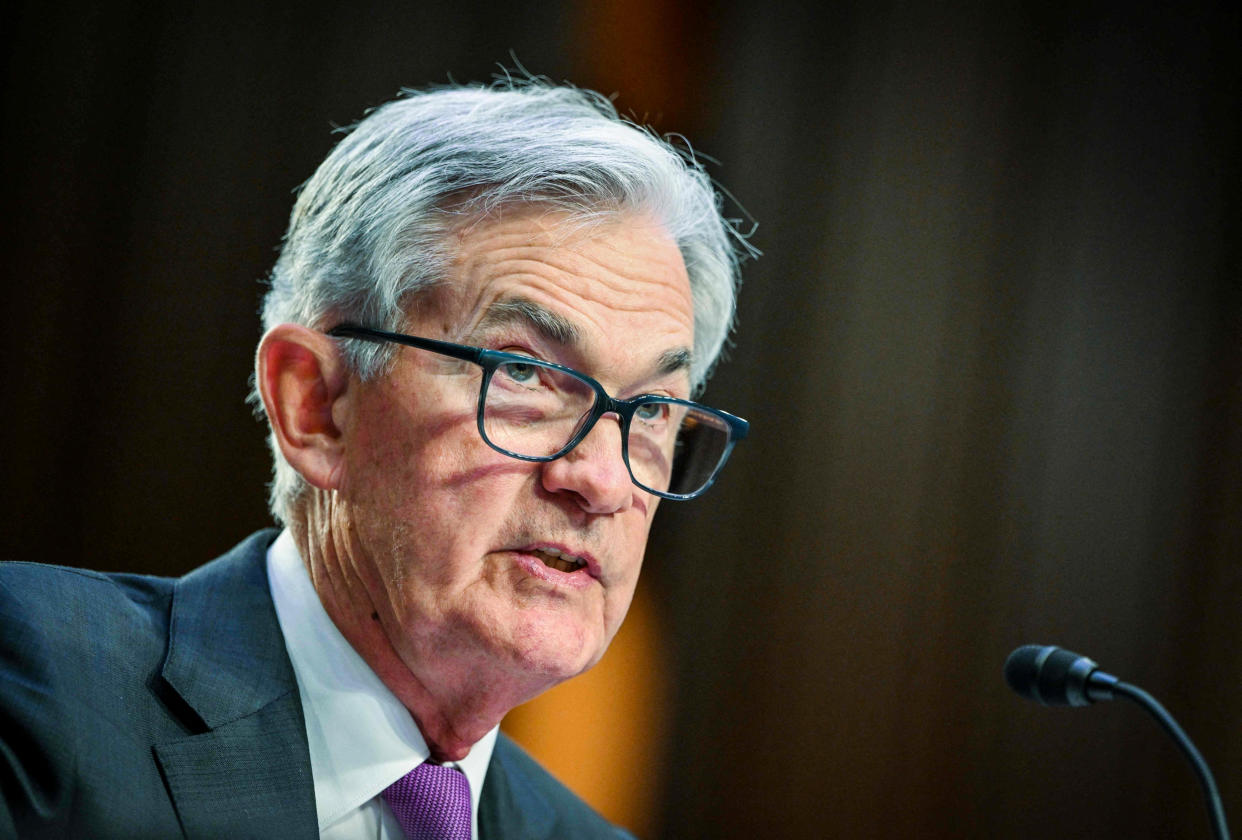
31	589
57	623
527	780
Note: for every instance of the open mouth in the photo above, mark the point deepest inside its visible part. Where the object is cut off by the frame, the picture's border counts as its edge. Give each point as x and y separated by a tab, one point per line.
562	562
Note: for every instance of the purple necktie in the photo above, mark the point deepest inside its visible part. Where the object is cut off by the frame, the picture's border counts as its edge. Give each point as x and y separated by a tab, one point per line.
431	802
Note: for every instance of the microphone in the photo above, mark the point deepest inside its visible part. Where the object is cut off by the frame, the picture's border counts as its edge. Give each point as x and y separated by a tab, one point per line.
1054	676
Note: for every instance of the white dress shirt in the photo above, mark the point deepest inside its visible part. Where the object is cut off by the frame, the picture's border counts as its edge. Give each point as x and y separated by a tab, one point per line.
361	738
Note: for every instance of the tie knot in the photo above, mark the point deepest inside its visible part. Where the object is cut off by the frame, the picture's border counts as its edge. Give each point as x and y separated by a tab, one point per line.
431	802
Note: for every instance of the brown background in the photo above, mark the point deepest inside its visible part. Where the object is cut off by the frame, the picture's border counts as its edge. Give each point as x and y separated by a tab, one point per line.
992	358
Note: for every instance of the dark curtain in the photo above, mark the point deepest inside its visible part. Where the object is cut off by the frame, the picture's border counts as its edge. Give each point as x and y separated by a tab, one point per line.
992	356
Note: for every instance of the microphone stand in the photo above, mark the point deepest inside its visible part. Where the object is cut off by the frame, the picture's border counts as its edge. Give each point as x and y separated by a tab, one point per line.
1216	811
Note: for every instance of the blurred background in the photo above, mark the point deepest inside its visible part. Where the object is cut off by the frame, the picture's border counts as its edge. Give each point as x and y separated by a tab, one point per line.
992	356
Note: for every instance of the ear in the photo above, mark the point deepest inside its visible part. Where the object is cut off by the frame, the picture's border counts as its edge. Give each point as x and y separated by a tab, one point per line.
304	384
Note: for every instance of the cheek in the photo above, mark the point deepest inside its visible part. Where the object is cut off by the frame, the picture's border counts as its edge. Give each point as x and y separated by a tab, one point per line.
408	487
407	454
620	592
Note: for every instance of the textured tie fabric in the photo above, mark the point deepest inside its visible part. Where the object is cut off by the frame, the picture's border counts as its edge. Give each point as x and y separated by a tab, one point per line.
431	802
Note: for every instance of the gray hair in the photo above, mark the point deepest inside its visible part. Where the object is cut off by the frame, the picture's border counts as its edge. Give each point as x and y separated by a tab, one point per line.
369	229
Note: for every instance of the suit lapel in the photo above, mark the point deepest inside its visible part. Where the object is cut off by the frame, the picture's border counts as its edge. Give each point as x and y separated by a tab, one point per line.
509	805
248	774
247	778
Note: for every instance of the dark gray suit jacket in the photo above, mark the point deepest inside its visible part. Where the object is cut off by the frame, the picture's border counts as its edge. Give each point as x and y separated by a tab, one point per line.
142	707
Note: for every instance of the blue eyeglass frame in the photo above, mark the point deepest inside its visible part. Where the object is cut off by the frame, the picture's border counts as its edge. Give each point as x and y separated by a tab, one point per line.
605	403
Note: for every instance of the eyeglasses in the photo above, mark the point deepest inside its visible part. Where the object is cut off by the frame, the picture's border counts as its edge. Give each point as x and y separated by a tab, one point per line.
534	410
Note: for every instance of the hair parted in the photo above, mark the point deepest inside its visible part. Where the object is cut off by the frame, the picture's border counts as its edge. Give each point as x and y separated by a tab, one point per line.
369	229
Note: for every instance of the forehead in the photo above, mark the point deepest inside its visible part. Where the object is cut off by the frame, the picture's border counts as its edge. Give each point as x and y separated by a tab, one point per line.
615	286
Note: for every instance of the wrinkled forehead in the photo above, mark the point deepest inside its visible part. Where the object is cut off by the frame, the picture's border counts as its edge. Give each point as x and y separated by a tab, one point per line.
474	229
609	287
559	221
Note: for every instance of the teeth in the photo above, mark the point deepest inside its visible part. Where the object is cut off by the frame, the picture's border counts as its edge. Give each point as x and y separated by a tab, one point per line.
559	560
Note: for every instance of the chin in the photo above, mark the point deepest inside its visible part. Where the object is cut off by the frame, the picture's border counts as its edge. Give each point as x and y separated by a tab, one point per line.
559	652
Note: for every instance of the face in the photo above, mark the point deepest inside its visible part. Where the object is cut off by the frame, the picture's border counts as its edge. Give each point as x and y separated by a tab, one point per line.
481	562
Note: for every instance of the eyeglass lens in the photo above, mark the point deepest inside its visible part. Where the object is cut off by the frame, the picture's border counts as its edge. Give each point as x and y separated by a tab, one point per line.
534	410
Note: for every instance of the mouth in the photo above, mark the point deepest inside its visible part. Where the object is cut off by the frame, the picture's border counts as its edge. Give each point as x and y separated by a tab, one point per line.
562	561
556	563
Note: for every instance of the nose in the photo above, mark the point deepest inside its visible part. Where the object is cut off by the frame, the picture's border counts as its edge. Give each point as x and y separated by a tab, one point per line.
594	471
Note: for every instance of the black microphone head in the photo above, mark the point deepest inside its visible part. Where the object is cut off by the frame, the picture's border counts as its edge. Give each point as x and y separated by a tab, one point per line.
1022	669
1049	675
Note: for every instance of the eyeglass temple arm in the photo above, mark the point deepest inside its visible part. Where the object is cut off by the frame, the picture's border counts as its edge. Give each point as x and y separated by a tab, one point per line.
445	348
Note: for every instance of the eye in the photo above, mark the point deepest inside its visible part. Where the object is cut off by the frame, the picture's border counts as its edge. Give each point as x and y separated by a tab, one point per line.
651	412
520	372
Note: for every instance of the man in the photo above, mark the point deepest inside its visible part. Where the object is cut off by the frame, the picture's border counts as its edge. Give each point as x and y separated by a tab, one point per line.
490	312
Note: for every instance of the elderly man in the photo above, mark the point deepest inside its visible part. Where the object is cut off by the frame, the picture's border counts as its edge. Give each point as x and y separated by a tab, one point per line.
483	332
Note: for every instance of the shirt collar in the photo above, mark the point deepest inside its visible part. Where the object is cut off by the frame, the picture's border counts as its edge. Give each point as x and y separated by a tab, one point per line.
361	738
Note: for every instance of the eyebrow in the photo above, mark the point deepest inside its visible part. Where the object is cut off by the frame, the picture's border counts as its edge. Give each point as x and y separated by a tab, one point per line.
674	361
563	332
555	328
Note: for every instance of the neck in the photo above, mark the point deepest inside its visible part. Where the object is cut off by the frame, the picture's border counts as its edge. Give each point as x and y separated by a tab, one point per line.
454	698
